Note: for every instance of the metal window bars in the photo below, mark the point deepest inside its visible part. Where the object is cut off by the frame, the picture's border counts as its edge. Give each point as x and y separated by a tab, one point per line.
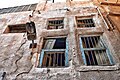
18	8
55	24
18	28
85	22
54	59
94	51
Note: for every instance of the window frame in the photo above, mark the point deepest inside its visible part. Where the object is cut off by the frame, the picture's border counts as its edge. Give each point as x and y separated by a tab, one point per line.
7	28
54	50
111	61
53	19
84	18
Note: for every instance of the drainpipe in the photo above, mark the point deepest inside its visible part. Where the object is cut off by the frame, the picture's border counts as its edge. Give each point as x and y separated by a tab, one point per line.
103	18
110	22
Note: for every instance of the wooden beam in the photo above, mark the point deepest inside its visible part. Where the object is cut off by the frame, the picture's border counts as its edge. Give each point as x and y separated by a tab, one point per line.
113	13
110	3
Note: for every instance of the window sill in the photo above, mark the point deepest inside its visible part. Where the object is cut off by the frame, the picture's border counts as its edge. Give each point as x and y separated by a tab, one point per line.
89	28
54	70
55	29
98	68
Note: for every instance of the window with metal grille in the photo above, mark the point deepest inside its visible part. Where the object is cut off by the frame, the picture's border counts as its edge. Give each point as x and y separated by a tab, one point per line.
55	24
88	22
94	52
18	8
18	28
54	53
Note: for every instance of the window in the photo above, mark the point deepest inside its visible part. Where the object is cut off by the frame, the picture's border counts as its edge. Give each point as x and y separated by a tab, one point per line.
18	8
86	22
54	53
55	24
19	28
94	52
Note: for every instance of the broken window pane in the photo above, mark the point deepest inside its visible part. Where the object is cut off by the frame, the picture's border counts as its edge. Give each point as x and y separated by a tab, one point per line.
58	43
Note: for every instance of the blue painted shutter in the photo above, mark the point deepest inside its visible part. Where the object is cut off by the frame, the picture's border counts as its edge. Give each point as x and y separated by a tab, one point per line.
82	50
41	57
108	52
110	57
66	54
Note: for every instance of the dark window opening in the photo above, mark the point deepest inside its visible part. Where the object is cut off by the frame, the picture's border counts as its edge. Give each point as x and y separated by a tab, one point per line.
55	43
55	24
85	23
91	42
20	28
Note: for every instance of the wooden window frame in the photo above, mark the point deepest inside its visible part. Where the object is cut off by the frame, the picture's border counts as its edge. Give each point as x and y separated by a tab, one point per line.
55	19
85	18
7	29
105	47
55	50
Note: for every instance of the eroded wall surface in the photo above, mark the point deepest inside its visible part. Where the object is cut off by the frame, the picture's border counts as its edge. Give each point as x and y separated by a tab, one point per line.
18	62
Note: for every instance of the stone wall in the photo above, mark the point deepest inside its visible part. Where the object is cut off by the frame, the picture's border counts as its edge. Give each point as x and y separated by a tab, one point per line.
18	62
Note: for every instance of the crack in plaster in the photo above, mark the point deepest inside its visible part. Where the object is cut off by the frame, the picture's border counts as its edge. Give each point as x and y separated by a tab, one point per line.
19	56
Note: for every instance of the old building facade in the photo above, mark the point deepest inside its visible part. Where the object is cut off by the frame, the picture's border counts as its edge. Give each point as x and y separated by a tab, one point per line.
61	40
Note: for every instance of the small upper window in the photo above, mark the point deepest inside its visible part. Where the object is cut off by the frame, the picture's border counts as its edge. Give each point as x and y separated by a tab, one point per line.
55	24
19	28
86	22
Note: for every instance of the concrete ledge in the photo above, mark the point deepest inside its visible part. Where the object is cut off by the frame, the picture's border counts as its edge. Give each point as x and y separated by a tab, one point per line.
98	68
52	70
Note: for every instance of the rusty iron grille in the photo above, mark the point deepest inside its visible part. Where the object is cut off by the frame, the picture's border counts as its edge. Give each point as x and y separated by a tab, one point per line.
94	51
55	24
81	23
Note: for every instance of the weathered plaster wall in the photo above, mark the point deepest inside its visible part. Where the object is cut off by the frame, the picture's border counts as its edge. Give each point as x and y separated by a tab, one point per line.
16	59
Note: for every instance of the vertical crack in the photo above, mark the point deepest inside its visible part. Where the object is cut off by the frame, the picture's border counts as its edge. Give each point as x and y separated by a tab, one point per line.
19	56
23	73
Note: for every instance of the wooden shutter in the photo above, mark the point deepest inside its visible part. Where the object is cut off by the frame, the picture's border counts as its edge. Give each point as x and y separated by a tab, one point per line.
66	54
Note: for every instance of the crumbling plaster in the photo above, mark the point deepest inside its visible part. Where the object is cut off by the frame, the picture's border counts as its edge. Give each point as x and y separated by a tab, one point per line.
15	55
